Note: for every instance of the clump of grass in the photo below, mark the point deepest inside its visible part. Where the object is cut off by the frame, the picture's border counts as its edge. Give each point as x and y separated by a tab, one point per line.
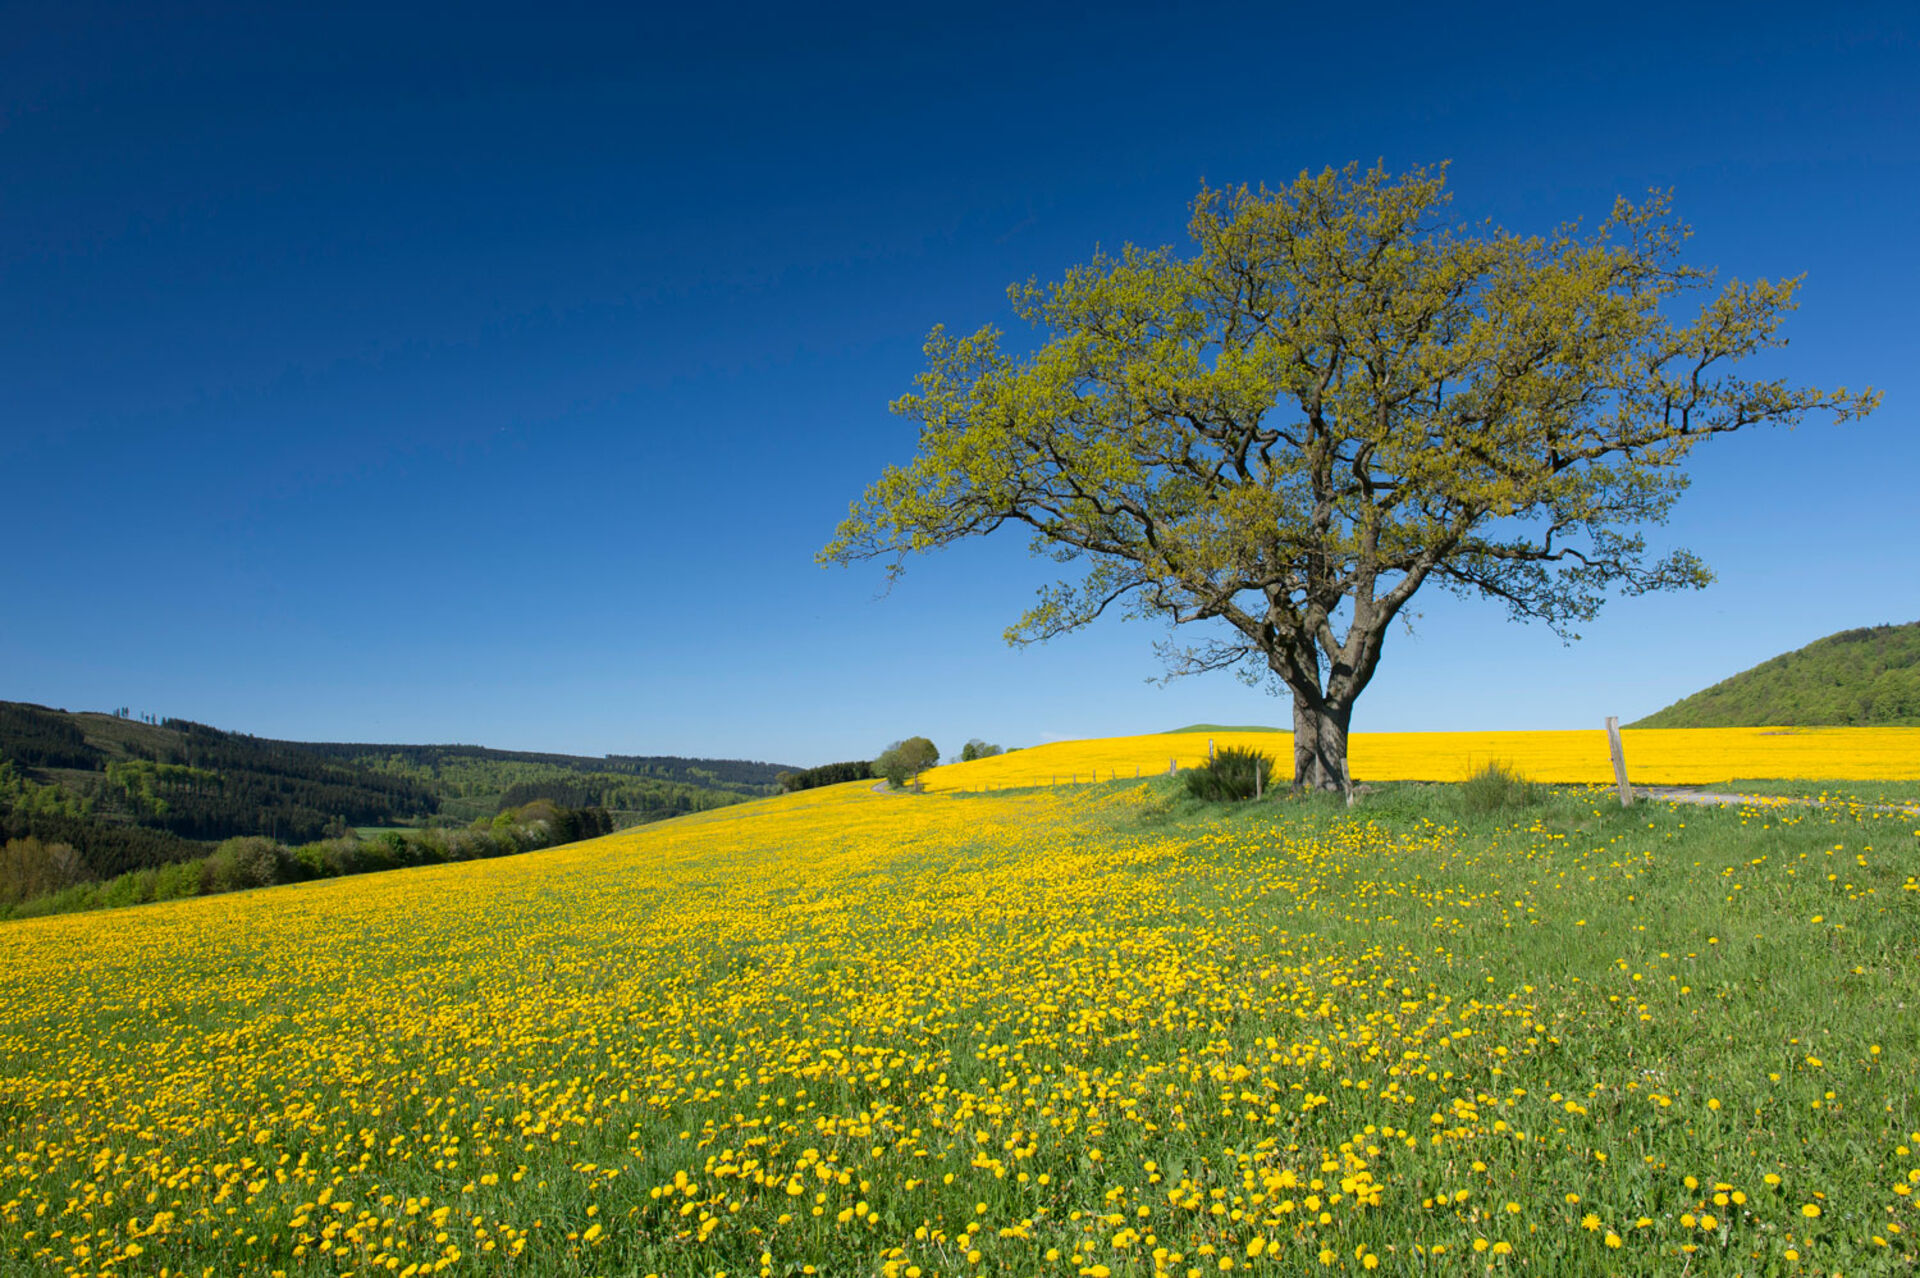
1496	788
1231	775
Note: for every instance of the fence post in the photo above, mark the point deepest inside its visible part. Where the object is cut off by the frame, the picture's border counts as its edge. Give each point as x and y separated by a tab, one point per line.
1256	780
1619	761
1209	749
1173	766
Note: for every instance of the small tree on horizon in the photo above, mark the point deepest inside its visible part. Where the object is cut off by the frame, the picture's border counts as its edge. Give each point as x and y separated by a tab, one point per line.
1338	399
904	760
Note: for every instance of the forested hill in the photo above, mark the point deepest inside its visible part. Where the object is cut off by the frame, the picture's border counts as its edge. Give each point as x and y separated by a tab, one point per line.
478	781
129	792
1857	678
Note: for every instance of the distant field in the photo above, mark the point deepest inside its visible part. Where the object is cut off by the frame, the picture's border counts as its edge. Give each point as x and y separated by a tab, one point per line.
1091	1032
1674	756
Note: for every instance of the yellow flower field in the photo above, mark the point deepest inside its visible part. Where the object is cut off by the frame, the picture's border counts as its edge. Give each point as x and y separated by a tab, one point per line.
1655	756
848	1033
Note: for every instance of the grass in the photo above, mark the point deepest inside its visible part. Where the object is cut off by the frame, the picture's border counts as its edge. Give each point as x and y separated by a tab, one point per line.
1497	787
1104	1030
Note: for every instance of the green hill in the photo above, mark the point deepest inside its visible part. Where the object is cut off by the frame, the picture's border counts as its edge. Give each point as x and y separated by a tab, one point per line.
1220	727
1857	678
129	793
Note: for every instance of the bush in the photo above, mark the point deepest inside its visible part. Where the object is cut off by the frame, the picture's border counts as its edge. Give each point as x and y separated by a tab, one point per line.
978	749
245	862
1230	776
1495	788
182	878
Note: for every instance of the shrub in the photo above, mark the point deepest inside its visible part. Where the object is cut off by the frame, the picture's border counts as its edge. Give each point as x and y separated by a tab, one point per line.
245	862
978	749
182	878
1230	776
1495	788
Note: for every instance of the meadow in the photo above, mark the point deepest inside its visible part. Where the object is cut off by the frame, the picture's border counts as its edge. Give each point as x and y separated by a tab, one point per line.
1092	1030
1655	756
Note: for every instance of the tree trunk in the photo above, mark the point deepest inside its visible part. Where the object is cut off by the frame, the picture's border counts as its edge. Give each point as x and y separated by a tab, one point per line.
1320	743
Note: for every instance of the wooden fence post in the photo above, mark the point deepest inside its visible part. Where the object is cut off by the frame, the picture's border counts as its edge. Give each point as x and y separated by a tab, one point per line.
1173	766
1256	780
1619	761
1209	749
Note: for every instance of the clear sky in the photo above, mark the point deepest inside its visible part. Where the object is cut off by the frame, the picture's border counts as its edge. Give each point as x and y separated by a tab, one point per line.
493	375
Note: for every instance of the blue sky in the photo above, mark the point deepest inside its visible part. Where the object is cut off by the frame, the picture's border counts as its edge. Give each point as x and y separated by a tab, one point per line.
493	375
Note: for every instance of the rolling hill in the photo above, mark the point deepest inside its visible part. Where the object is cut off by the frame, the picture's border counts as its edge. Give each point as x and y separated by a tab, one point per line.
128	793
1857	678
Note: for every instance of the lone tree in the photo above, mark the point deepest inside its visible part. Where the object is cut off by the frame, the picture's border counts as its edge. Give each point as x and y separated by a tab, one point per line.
904	760
1338	398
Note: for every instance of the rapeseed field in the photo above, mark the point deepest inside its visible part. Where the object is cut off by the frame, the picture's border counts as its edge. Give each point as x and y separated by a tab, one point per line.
1086	1031
1655	756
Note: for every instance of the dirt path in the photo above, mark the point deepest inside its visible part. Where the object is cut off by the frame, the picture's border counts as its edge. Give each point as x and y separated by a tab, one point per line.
1705	798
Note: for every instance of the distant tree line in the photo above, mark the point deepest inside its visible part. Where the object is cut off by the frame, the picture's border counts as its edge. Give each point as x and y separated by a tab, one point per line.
635	798
49	876
105	849
827	774
744	776
201	783
127	797
36	738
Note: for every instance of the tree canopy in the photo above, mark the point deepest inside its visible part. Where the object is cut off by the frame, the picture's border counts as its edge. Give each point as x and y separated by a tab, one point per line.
1337	398
904	760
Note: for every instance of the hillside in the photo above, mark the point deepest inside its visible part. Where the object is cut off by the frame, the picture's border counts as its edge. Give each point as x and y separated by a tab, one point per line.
475	781
661	1052
1857	678
129	793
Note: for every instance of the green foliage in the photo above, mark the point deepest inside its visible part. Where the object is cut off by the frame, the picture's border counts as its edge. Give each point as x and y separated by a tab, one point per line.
20	793
1335	399
30	868
36	737
978	749
827	774
192	780
130	795
903	760
474	781
107	848
1857	678
1230	776
38	878
1498	787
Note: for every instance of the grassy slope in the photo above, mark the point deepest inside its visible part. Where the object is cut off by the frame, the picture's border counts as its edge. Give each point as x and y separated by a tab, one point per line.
1854	678
1014	1033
